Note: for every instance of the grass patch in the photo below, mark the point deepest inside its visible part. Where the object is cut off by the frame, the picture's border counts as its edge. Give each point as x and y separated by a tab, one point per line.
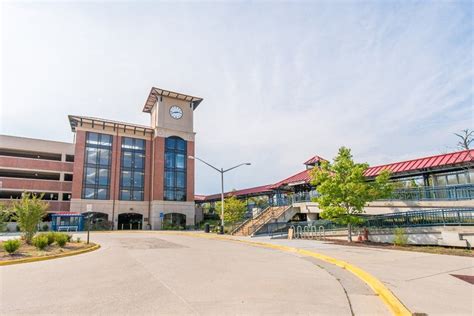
30	251
439	250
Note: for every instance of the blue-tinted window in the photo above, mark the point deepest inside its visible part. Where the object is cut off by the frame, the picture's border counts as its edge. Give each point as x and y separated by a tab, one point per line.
132	169
125	194
139	159
96	139
175	169
97	163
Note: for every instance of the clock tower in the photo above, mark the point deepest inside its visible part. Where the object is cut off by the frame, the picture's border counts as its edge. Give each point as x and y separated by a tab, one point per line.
172	172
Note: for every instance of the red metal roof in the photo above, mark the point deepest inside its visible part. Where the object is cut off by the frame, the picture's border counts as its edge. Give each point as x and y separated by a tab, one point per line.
250	191
302	176
422	163
198	197
313	160
396	167
66	213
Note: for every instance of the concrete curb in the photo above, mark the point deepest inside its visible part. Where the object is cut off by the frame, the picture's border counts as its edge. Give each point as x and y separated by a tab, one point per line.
60	255
387	297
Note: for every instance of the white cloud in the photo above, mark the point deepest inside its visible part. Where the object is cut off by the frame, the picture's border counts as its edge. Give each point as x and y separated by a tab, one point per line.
280	82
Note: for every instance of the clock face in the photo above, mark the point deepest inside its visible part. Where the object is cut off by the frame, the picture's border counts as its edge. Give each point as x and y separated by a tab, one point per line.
176	112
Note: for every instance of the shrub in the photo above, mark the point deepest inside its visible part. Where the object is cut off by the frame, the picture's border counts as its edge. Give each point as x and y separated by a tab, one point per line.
40	242
401	239
61	239
45	227
78	239
69	237
11	246
51	237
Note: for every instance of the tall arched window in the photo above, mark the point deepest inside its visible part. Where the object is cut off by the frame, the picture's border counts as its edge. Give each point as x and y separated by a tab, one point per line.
175	169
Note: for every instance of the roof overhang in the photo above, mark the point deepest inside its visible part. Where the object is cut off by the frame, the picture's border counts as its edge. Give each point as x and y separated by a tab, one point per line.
78	121
157	92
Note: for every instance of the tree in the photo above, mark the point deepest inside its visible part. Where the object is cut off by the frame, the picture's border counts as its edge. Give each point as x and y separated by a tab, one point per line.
259	201
29	212
344	191
234	209
4	217
466	137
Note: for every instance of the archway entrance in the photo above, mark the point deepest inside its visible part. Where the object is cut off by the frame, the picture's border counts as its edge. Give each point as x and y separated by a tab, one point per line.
174	221
130	221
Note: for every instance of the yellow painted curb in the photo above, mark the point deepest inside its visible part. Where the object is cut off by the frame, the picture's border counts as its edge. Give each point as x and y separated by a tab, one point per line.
59	255
387	297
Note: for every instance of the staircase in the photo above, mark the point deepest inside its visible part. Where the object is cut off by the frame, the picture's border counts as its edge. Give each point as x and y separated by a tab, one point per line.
252	225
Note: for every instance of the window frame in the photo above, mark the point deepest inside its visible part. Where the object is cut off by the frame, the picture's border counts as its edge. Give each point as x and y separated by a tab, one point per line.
101	143
174	147
134	147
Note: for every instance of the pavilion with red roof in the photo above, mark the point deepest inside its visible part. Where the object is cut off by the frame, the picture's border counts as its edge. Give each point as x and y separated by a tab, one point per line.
442	171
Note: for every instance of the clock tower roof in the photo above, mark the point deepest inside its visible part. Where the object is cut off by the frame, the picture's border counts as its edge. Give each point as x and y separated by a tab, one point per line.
157	92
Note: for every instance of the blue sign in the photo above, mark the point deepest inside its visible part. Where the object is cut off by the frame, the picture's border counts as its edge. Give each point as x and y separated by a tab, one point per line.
162	214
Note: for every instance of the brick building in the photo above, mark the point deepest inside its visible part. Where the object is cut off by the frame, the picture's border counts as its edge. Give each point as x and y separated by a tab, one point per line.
121	172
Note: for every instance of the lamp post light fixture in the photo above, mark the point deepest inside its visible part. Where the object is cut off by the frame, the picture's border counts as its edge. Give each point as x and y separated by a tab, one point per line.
221	171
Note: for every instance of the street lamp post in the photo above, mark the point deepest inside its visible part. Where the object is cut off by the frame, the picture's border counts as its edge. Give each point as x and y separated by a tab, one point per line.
221	171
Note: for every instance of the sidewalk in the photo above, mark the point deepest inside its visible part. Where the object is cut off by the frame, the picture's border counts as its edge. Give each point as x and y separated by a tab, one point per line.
423	282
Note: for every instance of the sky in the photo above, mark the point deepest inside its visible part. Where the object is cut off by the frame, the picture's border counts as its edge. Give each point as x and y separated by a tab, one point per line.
281	81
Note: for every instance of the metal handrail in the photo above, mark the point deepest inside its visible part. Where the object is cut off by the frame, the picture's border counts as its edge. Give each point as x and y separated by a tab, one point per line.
449	192
419	218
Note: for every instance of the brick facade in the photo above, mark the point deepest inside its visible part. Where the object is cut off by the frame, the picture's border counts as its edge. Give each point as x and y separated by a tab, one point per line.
115	168
147	170
78	164
190	173
159	168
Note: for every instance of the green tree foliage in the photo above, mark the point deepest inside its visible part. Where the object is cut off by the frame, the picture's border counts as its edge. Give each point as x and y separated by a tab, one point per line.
259	202
344	191
4	217
234	209
28	212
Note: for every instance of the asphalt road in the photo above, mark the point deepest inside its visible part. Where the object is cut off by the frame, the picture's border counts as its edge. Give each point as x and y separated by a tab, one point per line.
425	283
151	273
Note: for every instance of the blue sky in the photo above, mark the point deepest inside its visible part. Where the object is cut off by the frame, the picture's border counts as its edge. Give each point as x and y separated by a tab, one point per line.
281	81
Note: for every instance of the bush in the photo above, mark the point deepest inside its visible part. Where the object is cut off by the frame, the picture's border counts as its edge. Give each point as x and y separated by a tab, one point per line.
11	246
45	227
78	239
40	242
51	237
69	237
401	239
61	239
